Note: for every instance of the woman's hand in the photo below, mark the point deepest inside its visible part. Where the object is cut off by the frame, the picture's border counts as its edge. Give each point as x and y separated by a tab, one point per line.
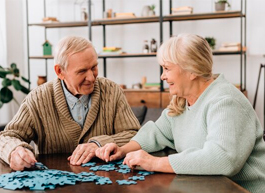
142	159
110	152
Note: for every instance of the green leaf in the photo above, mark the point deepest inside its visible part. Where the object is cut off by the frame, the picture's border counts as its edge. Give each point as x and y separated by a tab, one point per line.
26	80
16	84
6	95
24	90
6	82
1	104
13	66
4	72
16	72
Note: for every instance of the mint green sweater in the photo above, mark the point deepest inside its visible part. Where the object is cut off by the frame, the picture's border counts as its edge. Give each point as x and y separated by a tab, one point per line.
219	135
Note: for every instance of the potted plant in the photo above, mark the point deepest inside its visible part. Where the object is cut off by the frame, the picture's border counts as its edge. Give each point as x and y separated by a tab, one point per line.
11	78
152	10
211	42
220	5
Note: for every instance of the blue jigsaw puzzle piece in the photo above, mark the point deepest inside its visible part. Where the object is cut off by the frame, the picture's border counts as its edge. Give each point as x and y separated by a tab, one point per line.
137	178
103	180
124	171
89	164
125	182
90	178
108	167
16	184
40	166
122	166
145	173
117	162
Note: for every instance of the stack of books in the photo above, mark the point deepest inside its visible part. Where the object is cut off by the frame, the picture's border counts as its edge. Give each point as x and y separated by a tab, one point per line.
49	19
182	10
151	86
111	51
125	15
234	46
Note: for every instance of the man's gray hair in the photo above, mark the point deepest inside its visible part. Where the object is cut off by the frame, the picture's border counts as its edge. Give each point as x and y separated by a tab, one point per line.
68	46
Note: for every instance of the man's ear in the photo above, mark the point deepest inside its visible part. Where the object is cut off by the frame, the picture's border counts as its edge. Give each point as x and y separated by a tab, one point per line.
59	71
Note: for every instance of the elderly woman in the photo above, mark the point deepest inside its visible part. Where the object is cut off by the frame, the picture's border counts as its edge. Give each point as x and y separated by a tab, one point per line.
209	122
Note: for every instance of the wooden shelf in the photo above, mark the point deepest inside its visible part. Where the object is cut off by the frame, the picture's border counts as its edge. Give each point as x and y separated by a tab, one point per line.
216	52
201	16
128	55
119	21
141	55
60	24
140	90
41	57
105	56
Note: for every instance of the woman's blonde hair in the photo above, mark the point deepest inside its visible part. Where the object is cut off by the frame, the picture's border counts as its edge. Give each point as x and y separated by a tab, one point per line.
191	53
68	46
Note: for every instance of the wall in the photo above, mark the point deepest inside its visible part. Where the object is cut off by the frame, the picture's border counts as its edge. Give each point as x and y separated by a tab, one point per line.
130	70
12	47
4	109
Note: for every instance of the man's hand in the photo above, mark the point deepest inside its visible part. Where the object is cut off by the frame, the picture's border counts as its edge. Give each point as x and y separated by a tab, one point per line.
110	152
22	158
83	153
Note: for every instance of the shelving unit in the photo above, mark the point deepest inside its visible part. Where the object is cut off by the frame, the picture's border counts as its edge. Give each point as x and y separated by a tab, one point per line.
241	14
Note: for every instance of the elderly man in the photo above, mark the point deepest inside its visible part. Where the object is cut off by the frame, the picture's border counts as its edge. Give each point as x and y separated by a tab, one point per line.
77	112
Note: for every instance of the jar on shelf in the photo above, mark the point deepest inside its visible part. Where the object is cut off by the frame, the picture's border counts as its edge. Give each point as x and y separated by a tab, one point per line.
145	47
41	80
81	10
84	14
153	45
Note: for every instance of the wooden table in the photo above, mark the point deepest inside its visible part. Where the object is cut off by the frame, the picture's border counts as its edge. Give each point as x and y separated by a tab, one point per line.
156	183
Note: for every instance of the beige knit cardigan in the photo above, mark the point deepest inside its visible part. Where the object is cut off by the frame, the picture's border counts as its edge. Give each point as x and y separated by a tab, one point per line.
44	118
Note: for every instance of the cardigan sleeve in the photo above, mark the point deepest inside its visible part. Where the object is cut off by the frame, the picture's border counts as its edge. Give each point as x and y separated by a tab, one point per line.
125	124
155	136
229	142
18	132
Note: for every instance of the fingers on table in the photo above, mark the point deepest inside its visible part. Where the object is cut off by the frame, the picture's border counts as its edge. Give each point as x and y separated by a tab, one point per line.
105	151
82	154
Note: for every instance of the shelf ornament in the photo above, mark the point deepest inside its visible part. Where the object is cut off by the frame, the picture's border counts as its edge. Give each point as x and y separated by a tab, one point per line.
47	48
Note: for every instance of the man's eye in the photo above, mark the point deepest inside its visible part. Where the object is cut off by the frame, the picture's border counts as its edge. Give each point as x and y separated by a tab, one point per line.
82	71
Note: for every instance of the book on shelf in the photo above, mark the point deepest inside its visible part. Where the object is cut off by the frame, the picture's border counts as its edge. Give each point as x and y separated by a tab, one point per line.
182	10
49	19
151	86
111	51
230	44
232	48
125	15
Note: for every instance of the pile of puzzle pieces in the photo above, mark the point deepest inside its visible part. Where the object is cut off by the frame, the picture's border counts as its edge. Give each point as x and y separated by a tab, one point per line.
48	178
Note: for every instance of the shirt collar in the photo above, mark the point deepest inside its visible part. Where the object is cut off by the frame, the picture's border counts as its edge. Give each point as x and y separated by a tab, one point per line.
72	100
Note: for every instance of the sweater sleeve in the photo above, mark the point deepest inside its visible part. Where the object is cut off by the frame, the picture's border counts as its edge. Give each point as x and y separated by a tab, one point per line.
125	125
231	133
18	132
155	136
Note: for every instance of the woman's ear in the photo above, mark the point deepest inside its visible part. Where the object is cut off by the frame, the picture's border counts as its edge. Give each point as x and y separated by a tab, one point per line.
192	76
59	71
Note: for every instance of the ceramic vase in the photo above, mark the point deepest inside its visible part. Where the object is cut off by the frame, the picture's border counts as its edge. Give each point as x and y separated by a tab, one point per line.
41	80
220	6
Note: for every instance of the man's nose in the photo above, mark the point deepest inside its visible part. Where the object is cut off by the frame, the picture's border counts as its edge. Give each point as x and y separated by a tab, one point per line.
90	76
